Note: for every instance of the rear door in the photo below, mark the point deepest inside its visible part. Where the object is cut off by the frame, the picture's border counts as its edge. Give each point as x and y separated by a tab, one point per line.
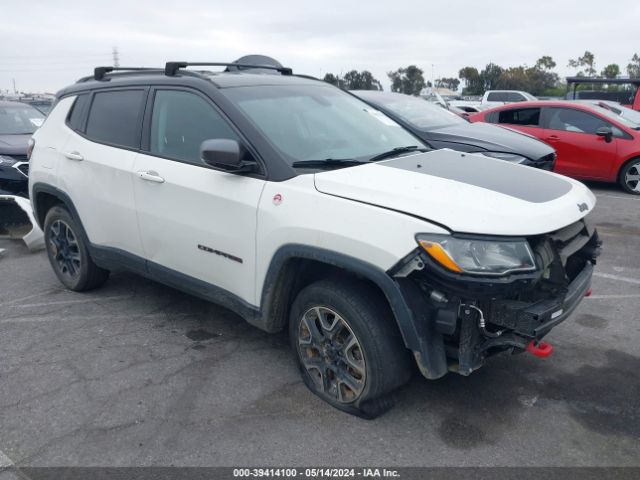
581	153
96	166
194	220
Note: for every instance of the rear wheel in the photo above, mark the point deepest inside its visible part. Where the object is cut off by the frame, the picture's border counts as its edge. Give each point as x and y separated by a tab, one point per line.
348	347
630	177
68	253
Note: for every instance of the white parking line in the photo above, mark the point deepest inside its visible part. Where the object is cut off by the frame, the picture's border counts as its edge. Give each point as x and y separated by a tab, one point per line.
616	277
617	196
71	302
16	300
50	318
5	461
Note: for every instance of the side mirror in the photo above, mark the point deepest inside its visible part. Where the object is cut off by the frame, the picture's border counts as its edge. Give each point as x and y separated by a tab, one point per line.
226	155
606	133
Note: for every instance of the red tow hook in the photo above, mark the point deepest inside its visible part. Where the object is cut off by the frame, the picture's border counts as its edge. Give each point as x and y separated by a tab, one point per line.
588	293
539	349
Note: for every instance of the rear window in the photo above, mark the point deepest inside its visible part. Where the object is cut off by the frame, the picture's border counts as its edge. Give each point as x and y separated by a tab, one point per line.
114	117
520	116
515	97
497	97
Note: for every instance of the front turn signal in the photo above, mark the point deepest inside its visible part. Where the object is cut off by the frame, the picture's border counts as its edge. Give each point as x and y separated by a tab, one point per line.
440	255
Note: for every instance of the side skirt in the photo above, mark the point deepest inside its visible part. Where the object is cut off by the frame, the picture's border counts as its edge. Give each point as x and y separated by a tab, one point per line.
115	259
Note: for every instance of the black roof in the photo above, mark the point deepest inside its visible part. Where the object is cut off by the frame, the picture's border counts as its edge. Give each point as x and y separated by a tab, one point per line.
611	81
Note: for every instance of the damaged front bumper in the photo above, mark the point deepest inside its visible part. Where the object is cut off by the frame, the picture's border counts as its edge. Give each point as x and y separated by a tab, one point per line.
34	237
461	321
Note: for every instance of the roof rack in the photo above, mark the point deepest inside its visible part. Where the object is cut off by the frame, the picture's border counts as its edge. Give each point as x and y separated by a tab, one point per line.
171	68
100	72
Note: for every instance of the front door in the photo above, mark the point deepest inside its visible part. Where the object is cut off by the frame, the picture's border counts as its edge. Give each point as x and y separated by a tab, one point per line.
195	220
581	153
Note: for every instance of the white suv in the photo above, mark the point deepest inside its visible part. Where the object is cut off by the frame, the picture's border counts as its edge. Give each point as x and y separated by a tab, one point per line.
297	206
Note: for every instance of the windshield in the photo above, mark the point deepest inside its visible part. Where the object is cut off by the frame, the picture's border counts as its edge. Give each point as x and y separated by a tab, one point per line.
624	115
414	110
19	119
319	122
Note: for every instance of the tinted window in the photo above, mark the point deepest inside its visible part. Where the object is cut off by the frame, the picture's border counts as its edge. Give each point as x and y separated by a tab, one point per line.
520	116
497	97
113	117
577	121
77	112
181	121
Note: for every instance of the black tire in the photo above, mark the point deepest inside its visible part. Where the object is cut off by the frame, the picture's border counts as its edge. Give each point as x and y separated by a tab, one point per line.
68	254
627	178
383	362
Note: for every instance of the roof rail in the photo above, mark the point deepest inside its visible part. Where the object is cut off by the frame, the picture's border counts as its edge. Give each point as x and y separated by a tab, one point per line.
100	72
171	68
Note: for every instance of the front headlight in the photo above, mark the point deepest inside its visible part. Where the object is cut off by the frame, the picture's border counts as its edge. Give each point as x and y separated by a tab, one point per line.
478	257
507	157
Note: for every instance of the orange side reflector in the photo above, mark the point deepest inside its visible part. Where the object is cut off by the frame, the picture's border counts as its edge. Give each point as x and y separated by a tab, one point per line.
440	255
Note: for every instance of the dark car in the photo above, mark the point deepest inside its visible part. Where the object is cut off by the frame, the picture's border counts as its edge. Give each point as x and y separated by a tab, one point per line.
18	121
441	128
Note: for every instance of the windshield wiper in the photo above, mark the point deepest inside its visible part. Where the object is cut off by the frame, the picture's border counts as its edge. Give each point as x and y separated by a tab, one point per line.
397	151
327	162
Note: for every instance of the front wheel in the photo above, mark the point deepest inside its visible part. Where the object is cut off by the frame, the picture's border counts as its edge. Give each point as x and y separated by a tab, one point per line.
630	177
348	347
68	253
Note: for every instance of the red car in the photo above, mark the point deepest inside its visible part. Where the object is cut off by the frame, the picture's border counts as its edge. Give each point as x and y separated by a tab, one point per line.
592	142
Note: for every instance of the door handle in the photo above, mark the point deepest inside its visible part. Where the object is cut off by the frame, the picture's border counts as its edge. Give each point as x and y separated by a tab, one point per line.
150	176
553	137
74	156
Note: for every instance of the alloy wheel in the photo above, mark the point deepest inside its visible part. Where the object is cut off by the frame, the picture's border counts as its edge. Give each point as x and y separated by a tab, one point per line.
632	177
64	248
331	354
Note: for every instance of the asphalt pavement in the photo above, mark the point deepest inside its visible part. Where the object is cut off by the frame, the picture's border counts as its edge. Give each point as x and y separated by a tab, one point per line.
136	373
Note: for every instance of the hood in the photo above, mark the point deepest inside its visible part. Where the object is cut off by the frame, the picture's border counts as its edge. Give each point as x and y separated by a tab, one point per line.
464	192
14	144
489	137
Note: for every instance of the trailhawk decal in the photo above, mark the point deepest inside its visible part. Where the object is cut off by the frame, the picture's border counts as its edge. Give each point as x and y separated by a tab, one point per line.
521	182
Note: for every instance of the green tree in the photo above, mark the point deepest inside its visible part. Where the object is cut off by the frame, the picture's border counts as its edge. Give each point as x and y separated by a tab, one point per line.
545	63
364	80
587	60
540	78
633	69
450	83
407	80
611	71
491	75
514	78
334	80
472	80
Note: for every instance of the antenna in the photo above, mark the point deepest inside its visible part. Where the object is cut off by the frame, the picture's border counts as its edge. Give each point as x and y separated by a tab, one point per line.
116	57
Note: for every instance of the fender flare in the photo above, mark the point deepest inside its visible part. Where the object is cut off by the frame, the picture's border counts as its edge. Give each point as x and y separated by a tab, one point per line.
39	188
404	299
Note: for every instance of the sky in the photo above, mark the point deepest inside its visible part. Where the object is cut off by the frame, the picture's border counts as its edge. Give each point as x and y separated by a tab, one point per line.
46	45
